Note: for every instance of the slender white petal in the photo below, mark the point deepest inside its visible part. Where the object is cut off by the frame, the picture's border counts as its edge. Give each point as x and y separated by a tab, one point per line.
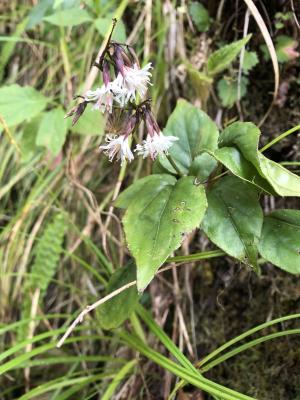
103	98
117	146
136	80
122	89
120	92
155	145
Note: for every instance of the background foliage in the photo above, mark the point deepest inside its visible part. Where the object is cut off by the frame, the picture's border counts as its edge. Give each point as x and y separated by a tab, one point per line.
61	237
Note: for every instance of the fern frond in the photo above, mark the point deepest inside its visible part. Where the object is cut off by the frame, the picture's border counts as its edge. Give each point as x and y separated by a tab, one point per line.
47	254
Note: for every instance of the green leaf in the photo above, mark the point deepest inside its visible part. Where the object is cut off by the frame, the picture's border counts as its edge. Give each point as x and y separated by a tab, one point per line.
103	26
228	90
250	61
233	160
286	48
200	16
90	123
38	12
160	210
203	166
52	131
222	58
196	133
280	240
116	310
69	17
245	136
18	103
234	218
284	182
28	139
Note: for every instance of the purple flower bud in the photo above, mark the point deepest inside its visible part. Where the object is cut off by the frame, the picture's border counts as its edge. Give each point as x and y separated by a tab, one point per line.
77	111
130	125
154	122
150	123
119	59
106	75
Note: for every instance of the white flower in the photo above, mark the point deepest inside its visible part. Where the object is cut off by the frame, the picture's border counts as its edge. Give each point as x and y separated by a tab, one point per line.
106	95
121	89
117	146
136	80
103	97
155	145
120	92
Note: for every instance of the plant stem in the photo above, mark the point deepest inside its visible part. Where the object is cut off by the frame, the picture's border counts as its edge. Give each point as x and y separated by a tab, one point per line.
197	256
174	165
291	163
280	137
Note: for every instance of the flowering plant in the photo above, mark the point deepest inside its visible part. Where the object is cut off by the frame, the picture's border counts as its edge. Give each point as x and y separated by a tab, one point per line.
202	179
129	85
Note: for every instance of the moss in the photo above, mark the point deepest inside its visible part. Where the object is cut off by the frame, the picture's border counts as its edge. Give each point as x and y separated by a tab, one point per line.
235	301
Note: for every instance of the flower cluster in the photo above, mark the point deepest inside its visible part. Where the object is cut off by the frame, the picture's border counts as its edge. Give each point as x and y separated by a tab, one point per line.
125	84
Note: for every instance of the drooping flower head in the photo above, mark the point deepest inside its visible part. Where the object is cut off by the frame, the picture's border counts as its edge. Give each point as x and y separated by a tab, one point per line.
119	147
156	142
137	80
101	97
123	94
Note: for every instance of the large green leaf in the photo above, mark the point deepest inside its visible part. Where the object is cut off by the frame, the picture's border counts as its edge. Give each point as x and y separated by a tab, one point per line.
160	210
245	136
233	160
18	103
234	218
69	17
196	133
280	240
222	58
116	310
52	131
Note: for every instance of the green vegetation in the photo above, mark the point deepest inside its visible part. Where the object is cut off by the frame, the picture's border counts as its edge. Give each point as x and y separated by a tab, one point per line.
175	275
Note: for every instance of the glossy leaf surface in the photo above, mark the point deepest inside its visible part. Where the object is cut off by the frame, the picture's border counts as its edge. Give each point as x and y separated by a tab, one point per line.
232	159
196	133
245	136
